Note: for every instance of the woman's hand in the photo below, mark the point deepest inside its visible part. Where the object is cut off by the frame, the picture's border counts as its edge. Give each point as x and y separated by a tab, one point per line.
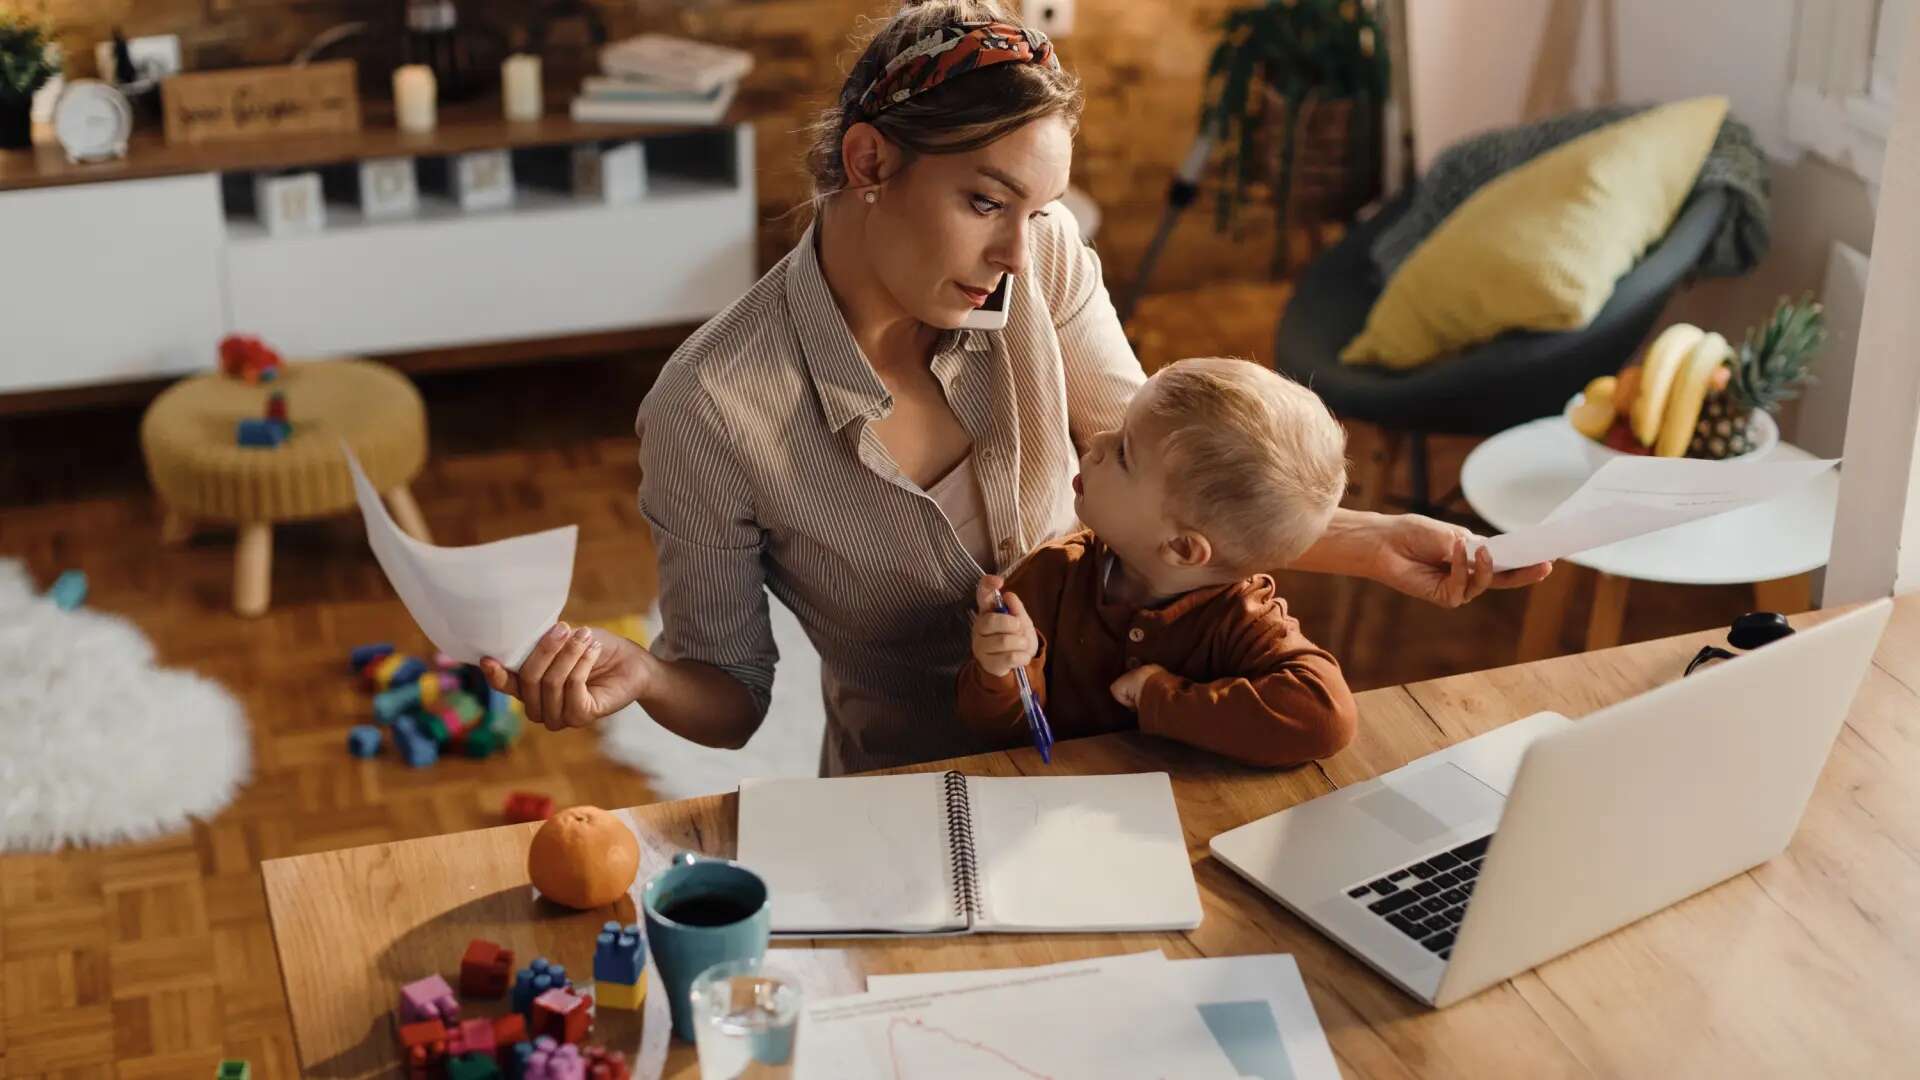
1429	559
1415	555
1001	642
575	676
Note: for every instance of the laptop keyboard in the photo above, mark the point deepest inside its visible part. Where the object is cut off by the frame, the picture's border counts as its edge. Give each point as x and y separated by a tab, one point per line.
1427	898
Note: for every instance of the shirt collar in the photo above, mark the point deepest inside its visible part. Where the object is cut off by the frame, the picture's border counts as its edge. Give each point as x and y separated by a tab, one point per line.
845	383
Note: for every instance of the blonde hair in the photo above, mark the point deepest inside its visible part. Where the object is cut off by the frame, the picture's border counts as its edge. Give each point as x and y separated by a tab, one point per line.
955	117
1253	460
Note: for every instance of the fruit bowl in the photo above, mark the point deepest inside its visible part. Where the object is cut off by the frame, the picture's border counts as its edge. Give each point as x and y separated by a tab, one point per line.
1765	432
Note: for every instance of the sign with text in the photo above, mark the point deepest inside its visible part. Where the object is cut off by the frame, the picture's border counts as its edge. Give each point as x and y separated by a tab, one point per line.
249	103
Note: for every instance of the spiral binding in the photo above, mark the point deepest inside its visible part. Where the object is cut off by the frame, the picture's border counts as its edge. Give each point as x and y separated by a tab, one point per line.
966	865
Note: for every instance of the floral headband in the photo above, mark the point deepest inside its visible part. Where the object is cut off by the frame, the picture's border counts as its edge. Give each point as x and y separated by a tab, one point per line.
951	51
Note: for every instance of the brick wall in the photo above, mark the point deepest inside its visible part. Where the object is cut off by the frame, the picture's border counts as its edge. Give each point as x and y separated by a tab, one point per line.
1139	59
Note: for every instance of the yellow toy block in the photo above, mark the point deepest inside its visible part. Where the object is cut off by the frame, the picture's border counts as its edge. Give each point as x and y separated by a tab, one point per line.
613	995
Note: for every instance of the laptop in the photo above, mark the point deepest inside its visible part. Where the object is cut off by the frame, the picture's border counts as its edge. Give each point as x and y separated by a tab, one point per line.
1483	860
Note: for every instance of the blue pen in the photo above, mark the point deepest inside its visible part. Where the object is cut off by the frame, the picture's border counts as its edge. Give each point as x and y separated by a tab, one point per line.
1036	717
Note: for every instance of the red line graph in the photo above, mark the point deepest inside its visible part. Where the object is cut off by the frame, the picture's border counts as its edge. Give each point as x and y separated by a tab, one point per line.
893	1048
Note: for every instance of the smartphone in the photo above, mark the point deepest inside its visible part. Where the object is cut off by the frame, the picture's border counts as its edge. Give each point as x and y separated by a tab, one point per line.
991	315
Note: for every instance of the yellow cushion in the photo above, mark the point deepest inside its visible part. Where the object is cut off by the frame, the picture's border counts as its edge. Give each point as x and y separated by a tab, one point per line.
1541	247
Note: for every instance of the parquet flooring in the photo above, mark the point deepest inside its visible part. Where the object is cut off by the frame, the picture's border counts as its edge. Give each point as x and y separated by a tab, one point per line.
155	960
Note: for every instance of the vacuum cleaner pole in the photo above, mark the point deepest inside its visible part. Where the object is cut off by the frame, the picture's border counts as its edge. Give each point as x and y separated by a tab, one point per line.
1181	193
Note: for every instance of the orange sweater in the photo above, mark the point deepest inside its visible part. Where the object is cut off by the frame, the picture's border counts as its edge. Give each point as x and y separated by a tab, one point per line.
1241	680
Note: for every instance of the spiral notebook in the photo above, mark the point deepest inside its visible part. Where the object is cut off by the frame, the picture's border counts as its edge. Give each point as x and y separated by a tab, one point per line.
943	853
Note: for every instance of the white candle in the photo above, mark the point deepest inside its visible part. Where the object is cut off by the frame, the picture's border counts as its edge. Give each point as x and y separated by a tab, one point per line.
413	97
520	87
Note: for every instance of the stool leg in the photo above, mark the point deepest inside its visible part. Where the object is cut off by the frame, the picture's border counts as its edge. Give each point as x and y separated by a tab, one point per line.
1609	611
1546	614
406	514
253	569
175	528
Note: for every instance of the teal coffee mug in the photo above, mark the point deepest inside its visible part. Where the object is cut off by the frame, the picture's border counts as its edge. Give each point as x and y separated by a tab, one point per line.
701	911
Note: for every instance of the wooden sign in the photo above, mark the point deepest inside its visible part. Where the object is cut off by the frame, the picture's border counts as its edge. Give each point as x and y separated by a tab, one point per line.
250	103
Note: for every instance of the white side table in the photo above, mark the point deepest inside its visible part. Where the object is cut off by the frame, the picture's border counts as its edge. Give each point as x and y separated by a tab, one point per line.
1516	478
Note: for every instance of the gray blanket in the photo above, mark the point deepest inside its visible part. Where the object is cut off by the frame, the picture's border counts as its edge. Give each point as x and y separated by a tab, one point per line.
1735	163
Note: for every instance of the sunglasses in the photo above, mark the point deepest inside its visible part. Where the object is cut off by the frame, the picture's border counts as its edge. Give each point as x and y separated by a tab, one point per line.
1749	631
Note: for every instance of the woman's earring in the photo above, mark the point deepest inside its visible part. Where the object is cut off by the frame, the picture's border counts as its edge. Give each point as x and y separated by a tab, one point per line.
871	196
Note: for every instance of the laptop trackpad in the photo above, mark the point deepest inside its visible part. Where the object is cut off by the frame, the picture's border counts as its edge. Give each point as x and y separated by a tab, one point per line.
1430	802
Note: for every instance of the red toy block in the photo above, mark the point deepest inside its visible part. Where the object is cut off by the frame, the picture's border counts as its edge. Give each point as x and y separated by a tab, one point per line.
604	1064
508	1030
562	1015
486	970
472	1037
248	358
523	806
423	1046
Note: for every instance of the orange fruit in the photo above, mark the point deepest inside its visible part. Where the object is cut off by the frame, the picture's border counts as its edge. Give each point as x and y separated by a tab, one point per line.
583	857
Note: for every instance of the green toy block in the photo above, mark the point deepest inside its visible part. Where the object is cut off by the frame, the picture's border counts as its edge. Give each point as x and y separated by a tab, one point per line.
234	1070
434	728
482	741
467	706
473	1067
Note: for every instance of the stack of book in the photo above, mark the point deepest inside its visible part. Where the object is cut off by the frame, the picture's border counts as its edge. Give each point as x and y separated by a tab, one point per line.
656	79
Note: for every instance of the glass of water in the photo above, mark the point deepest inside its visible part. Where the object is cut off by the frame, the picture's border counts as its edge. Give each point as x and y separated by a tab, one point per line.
745	1019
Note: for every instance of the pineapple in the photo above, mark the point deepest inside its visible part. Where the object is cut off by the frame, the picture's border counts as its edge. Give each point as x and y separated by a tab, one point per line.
1771	365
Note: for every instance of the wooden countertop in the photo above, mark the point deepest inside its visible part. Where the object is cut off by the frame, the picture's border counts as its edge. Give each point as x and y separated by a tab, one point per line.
1803	966
461	129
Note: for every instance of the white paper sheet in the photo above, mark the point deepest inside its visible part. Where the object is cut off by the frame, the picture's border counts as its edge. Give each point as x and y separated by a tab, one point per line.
1630	497
485	600
1256	1007
1094	1021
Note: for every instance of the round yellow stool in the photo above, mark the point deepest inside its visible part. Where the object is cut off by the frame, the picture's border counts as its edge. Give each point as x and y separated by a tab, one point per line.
202	474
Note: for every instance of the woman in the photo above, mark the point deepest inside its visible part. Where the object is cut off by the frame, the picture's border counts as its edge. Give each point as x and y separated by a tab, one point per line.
835	437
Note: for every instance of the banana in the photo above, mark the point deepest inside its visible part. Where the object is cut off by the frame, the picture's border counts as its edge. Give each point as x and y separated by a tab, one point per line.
1689	393
1664	358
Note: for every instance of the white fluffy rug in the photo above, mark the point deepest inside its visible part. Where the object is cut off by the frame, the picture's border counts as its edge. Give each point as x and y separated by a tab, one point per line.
97	745
788	744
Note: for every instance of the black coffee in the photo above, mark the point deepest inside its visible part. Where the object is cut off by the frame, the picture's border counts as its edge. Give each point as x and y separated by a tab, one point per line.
706	911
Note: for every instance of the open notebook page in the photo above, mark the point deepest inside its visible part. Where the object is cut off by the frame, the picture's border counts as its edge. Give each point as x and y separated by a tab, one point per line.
855	855
1082	853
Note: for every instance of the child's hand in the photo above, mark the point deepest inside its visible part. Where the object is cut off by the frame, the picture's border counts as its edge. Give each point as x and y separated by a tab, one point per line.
1001	642
1126	688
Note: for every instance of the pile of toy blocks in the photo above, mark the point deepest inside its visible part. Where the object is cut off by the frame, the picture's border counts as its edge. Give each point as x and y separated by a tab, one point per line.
430	709
543	1038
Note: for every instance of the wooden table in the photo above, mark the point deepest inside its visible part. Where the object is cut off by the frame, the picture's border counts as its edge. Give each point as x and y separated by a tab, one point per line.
1806	966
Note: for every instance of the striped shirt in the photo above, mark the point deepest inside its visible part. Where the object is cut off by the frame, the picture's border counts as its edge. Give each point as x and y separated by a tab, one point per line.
761	474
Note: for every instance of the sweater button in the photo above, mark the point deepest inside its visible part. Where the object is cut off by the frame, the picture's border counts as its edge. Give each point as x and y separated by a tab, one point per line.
1132	662
1136	635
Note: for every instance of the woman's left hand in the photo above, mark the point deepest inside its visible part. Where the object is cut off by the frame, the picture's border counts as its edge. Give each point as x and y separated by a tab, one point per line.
1428	559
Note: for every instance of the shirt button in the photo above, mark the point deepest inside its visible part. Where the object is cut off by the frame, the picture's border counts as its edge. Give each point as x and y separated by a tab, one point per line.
986	455
1006	548
1136	635
1132	662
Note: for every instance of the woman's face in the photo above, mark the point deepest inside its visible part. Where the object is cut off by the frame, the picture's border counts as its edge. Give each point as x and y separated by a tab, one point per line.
948	226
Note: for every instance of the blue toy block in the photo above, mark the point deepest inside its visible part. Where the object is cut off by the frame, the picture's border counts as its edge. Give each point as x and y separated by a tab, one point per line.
69	590
419	750
363	655
517	1061
254	431
409	671
618	954
364	740
535	979
389	704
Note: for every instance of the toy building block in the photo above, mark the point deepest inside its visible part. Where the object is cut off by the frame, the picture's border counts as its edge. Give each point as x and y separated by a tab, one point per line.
605	1064
256	432
562	1015
388	704
277	406
483	742
473	1067
433	728
516	1062
423	1046
535	979
467	706
417	749
362	655
619	956
249	358
69	591
486	970
472	1037
524	806
429	999
612	995
379	674
410	670
508	1029
234	1070
552	1060
450	719
364	740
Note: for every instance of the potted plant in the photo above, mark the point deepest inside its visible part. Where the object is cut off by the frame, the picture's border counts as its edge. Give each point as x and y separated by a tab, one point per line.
26	64
1294	93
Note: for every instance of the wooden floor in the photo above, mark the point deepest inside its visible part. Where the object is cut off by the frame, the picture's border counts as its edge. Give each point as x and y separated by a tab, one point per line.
155	959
